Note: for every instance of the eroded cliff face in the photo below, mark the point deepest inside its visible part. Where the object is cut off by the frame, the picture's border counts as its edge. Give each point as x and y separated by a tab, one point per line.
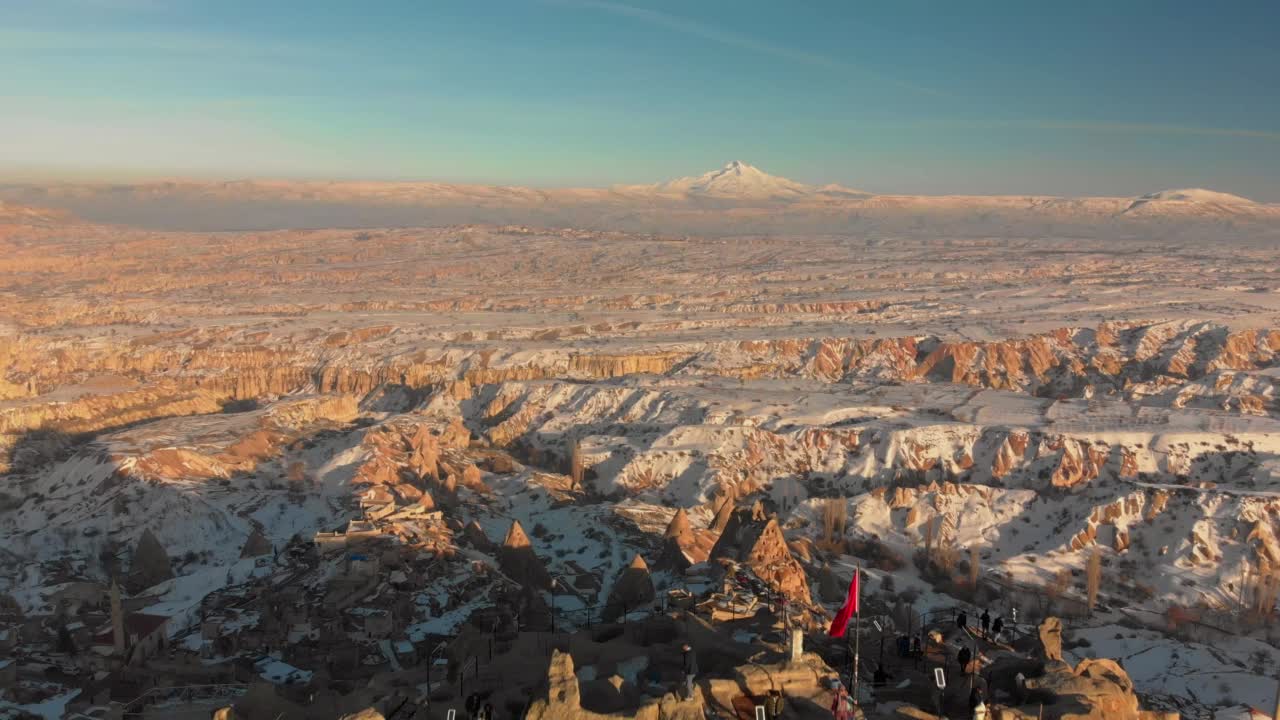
77	388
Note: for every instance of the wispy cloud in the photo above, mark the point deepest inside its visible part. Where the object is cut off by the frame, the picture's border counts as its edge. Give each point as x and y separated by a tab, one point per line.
1102	127
733	39
1156	129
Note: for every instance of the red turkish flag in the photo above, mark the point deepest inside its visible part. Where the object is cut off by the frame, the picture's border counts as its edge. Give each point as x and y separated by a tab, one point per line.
841	621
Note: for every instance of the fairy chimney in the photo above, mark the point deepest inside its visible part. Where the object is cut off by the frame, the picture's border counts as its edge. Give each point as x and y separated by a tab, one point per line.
676	542
519	562
256	545
723	514
427	502
474	534
149	565
633	589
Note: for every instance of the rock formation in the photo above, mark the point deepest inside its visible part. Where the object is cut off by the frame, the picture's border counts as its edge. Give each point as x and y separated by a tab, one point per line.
149	564
761	546
256	545
474	534
724	512
1050	636
632	590
519	562
1096	689
677	541
563	700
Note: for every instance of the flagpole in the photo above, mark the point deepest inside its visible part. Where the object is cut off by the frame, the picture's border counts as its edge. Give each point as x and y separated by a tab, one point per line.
857	632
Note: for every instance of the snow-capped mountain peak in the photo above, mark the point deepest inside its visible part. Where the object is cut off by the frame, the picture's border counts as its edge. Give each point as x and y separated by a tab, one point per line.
1197	195
737	179
1192	202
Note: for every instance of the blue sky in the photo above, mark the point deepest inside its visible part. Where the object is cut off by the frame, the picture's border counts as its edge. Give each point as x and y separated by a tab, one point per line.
968	97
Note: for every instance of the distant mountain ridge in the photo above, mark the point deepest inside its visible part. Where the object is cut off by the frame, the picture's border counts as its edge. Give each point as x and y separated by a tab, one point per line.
736	198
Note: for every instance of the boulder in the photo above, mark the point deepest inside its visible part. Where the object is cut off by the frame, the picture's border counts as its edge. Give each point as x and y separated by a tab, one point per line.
1094	690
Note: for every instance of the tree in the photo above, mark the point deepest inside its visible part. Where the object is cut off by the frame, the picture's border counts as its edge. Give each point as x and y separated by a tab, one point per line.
1266	590
66	643
1093	578
835	515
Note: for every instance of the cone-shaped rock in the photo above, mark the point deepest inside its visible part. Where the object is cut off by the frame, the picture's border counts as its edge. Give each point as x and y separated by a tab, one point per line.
633	589
728	545
520	562
150	563
679	527
474	534
771	560
256	545
676	543
762	547
723	515
426	501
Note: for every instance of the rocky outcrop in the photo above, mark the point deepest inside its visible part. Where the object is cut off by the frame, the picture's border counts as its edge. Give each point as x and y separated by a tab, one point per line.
1095	690
563	700
1050	636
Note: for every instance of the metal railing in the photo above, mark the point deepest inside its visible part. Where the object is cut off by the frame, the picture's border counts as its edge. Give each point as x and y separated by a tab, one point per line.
137	707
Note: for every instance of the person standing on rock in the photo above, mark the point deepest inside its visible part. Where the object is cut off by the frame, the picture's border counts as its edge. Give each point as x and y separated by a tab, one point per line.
996	628
986	623
690	666
962	621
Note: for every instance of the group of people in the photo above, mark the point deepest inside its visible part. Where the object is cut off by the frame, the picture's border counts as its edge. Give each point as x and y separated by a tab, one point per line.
477	709
990	629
